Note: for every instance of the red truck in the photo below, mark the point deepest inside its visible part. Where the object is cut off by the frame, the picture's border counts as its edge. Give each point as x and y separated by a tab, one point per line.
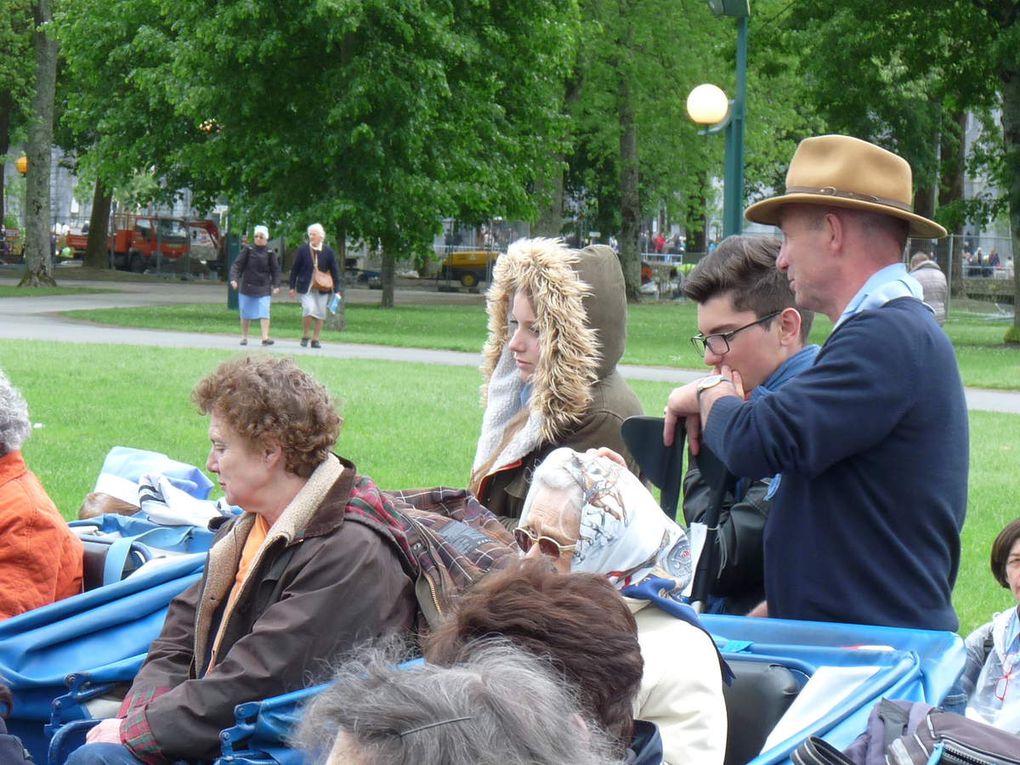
140	242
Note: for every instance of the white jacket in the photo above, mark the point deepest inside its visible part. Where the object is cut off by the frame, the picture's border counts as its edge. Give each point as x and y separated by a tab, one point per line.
681	688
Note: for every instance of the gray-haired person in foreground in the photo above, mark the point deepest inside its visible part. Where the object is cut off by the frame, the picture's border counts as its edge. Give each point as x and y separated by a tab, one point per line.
503	707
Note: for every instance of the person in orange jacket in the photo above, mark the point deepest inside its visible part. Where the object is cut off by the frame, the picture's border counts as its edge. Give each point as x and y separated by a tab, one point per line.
40	557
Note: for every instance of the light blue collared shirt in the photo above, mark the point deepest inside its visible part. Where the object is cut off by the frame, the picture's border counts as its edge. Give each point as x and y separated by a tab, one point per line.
884	285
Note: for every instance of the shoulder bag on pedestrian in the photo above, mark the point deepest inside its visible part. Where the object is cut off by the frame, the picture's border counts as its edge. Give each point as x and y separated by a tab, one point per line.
321	280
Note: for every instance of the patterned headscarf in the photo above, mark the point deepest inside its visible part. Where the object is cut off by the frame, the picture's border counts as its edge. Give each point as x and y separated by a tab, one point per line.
624	535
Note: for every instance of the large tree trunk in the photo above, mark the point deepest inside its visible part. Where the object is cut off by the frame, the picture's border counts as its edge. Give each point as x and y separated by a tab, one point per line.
953	167
924	202
697	241
550	190
697	219
1010	76
630	200
6	105
38	266
96	251
389	270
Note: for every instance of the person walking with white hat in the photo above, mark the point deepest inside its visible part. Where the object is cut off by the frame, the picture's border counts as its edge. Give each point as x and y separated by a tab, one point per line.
315	276
256	277
872	440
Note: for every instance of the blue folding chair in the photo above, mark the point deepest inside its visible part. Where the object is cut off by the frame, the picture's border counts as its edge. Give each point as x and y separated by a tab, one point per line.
95	640
916	665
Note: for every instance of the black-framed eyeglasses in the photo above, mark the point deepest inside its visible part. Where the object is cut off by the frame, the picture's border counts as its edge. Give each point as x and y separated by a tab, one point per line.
547	545
719	343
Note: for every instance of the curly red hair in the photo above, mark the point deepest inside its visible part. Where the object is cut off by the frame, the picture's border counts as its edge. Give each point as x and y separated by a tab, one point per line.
268	400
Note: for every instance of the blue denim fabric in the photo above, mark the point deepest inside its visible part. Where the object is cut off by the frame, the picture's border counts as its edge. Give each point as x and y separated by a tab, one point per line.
102	754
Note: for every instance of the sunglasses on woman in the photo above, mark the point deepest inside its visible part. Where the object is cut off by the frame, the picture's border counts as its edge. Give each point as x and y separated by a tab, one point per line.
546	545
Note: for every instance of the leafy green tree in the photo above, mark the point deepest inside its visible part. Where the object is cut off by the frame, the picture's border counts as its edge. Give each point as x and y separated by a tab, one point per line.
635	153
633	149
119	110
377	118
16	74
917	67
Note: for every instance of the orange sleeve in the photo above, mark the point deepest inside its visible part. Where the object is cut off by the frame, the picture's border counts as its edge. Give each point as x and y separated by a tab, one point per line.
40	558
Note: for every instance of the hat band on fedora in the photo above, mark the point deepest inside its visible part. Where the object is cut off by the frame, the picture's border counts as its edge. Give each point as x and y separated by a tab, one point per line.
829	191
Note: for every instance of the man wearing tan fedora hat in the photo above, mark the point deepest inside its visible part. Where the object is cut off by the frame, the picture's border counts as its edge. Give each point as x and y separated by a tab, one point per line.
872	440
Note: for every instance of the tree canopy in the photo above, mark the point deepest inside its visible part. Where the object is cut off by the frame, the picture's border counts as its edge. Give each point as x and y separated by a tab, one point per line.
380	118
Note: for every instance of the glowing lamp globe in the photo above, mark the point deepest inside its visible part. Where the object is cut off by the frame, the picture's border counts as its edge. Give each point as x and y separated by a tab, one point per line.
707	104
21	164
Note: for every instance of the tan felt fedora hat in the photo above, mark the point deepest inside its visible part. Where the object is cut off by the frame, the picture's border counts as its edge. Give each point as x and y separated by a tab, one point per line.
840	171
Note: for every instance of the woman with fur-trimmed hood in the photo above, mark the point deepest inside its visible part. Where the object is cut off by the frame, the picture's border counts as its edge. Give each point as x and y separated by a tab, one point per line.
557	329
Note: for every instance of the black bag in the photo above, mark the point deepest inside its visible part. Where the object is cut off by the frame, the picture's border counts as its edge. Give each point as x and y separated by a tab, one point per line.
962	741
915	733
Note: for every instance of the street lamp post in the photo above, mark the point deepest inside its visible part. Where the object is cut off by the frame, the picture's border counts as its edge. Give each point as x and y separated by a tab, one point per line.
732	120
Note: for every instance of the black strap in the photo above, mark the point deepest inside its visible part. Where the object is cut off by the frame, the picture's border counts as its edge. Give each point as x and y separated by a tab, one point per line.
894	721
817	751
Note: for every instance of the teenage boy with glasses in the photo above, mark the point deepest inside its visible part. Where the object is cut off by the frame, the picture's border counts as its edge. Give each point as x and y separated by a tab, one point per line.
747	320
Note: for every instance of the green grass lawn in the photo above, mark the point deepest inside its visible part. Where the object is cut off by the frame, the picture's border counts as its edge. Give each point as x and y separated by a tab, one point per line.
13	292
405	424
657	332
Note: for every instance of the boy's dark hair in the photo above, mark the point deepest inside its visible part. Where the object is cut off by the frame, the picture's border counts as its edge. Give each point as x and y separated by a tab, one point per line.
745	268
1000	550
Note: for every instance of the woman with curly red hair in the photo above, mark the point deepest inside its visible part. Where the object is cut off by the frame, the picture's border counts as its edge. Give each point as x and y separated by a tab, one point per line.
294	580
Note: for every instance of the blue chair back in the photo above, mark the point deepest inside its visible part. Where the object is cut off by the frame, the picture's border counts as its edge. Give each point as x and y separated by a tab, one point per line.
106	631
263	728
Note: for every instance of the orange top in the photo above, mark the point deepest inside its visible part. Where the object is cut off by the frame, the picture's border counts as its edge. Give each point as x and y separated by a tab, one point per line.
41	559
256	536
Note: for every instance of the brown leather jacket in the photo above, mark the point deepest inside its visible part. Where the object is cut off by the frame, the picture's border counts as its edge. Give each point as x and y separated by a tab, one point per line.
325	582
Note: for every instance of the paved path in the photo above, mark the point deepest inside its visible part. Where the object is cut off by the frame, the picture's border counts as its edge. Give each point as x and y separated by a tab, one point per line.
37	318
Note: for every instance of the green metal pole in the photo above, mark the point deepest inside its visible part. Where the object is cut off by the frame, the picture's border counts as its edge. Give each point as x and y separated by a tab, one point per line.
233	250
733	178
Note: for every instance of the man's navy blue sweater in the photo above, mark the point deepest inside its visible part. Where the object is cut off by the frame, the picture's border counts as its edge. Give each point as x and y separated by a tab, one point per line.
872	442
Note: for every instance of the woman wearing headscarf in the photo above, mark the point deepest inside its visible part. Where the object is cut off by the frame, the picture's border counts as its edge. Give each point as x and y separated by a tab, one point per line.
256	277
590	514
557	329
303	574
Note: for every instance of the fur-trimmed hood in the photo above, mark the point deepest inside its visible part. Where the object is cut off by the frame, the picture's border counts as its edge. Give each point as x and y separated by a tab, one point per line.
580	309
